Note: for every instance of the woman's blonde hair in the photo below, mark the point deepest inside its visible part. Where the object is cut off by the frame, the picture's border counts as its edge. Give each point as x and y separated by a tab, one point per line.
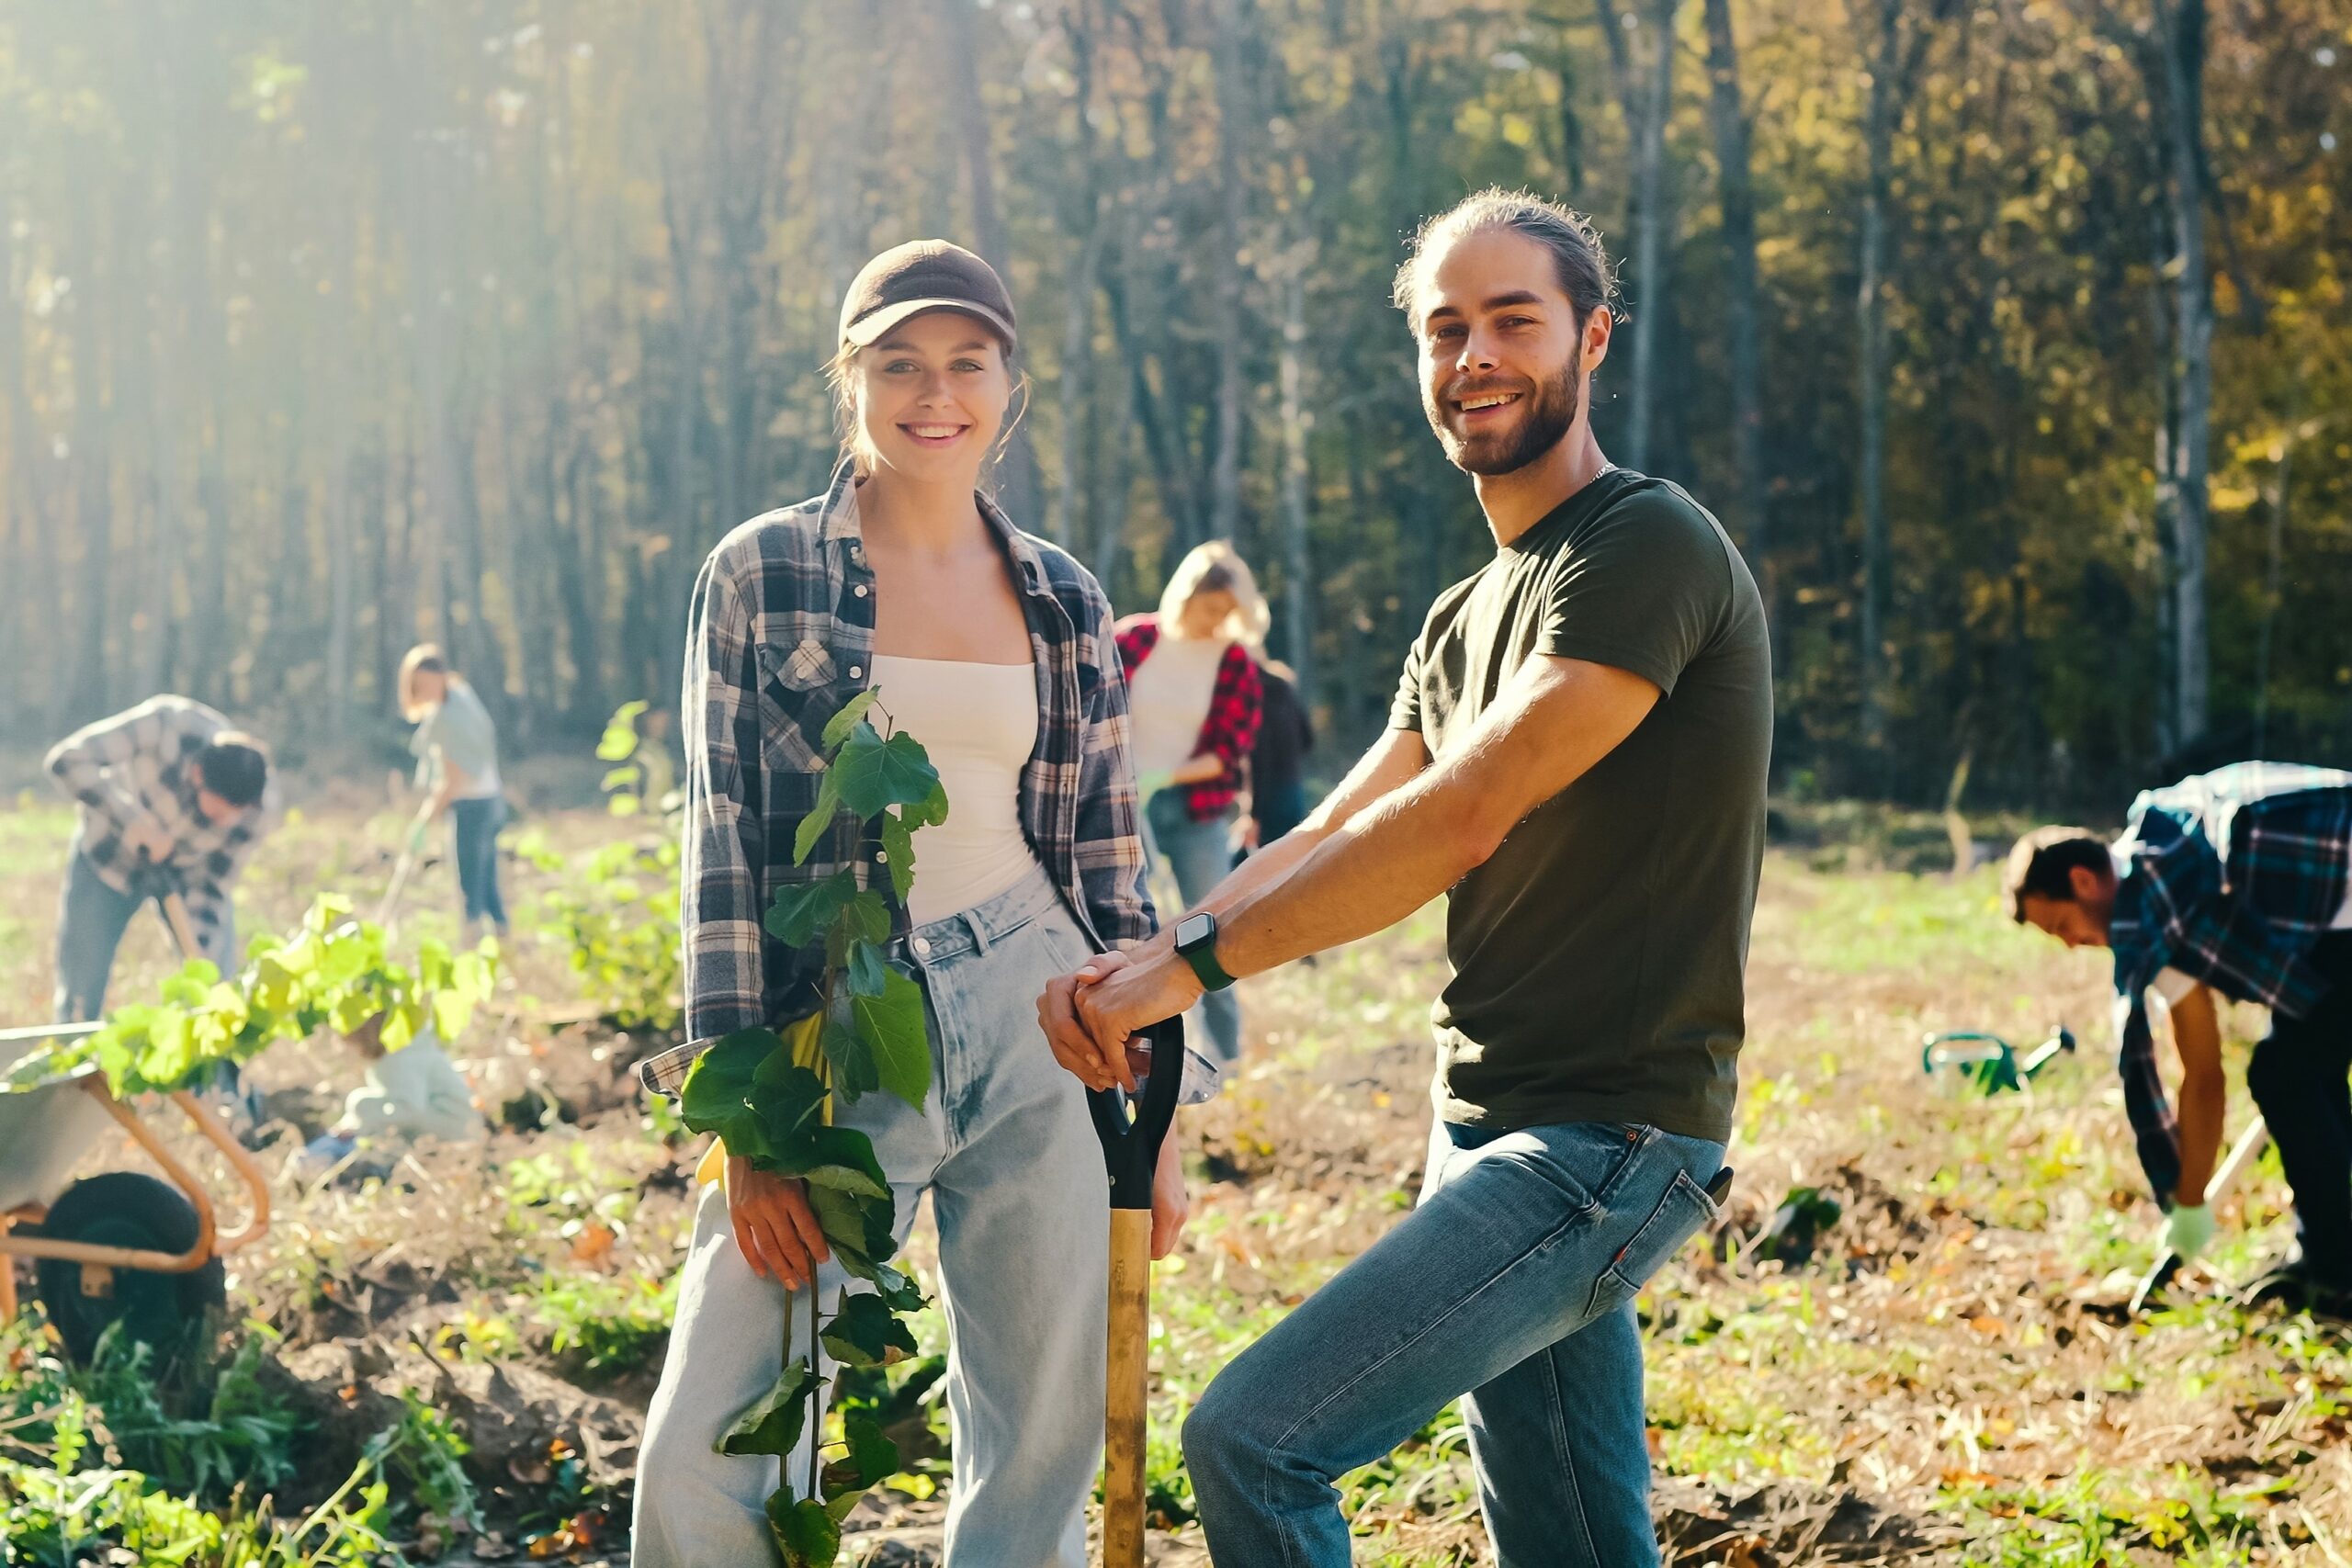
425	658
1214	568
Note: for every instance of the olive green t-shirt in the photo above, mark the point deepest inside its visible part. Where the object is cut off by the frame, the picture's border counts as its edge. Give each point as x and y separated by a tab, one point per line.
1598	954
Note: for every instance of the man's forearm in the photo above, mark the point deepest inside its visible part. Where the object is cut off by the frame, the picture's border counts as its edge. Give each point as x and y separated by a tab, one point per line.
1360	879
2204	1105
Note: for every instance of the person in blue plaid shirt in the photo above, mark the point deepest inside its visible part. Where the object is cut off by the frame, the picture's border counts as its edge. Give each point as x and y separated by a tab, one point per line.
2237	881
171	799
994	649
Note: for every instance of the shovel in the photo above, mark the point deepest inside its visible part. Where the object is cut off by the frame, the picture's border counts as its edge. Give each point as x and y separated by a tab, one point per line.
1131	1134
2242	1153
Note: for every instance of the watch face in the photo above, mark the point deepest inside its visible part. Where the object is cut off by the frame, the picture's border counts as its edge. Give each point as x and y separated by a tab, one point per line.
1192	927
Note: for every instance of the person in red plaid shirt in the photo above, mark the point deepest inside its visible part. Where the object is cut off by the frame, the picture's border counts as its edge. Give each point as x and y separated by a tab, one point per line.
1196	701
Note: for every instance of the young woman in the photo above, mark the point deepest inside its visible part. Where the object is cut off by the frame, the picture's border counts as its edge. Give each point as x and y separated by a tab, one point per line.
993	649
1197	701
455	748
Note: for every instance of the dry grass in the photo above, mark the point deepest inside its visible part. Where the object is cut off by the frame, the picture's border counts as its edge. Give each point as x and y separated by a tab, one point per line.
1949	1376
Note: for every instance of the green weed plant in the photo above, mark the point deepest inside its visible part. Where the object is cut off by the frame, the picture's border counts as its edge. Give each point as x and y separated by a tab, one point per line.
769	1097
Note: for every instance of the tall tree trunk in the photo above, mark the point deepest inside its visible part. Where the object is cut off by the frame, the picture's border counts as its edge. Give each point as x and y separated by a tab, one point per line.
1018	467
1648	99
1074	386
2181	40
1736	194
1114	456
1896	49
1297	602
2274	543
28	705
1233	119
93	499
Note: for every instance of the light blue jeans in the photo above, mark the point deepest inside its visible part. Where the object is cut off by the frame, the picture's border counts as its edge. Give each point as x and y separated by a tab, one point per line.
1199	854
1510	1287
1018	1186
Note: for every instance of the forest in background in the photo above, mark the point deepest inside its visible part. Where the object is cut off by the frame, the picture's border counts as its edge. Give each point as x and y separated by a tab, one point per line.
2009	339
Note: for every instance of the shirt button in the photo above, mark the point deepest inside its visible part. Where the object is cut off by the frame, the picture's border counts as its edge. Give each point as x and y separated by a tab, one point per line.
881	857
922	944
856	673
859	591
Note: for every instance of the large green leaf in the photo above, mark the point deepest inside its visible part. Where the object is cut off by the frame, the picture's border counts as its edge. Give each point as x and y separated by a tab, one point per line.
618	743
774	1421
899	853
789	1101
873	773
838	1157
803	909
864	919
865	1334
868	972
821	816
804	1530
872	1457
891	1027
855	1075
746	1089
898	1291
858	1228
838	728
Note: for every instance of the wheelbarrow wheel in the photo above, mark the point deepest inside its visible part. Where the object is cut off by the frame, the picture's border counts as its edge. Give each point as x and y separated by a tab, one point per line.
171	1313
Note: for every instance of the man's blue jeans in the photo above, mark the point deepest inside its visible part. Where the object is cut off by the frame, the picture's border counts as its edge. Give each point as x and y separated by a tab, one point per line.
1510	1287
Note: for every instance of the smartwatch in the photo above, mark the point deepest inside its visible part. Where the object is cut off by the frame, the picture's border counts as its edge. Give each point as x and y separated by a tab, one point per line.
1197	943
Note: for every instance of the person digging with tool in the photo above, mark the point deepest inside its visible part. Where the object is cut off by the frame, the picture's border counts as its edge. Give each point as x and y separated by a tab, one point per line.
2237	881
1576	756
173	800
455	748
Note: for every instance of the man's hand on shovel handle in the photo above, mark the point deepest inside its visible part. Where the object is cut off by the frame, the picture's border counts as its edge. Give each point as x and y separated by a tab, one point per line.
1067	1032
1127	993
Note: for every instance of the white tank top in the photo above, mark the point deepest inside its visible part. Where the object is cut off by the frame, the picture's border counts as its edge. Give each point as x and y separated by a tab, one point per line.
1168	701
978	722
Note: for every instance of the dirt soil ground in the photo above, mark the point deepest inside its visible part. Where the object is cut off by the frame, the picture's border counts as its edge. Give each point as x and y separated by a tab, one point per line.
1907	1343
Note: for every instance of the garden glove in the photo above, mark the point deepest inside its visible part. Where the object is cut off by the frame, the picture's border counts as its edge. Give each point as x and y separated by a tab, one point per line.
2188	1229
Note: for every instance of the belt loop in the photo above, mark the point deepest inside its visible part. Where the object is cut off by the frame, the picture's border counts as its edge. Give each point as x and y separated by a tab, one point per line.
980	931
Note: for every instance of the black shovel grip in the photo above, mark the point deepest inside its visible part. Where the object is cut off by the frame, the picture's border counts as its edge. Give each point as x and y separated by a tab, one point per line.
1132	1131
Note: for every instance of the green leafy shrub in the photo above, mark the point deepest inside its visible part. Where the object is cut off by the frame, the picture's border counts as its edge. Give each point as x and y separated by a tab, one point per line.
617	919
331	972
769	1098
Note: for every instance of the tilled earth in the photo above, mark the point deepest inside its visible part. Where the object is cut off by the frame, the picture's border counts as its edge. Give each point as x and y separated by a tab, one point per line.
1907	1342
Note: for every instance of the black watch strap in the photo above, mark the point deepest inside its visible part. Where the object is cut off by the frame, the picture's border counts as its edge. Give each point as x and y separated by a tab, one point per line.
1201	953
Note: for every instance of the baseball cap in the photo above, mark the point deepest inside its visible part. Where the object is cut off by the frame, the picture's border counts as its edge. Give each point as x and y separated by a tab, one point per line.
924	274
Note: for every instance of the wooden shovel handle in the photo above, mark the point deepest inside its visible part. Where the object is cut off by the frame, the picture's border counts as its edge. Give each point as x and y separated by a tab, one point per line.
1122	1432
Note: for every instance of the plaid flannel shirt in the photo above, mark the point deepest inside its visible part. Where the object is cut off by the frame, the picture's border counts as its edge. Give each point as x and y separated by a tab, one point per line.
1237	707
781	635
134	767
2230	877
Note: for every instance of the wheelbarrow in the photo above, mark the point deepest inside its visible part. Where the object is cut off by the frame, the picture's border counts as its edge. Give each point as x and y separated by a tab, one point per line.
1131	1133
1988	1063
122	1246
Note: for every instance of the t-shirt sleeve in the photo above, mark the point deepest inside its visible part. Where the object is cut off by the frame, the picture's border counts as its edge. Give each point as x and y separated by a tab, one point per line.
1405	712
1642	591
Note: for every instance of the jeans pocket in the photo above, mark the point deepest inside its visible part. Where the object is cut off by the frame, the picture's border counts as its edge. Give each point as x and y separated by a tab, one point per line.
1678	1216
